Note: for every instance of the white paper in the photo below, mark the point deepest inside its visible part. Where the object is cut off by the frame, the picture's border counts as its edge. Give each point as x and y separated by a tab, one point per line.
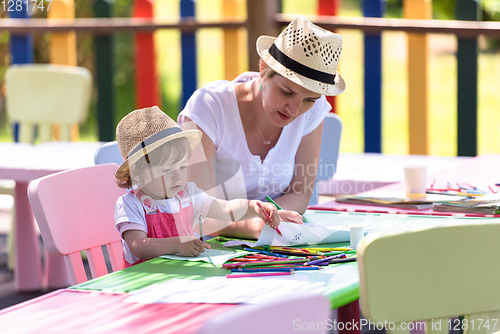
303	234
233	243
221	290
218	256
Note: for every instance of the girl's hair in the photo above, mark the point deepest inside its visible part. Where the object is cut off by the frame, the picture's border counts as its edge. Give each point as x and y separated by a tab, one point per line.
169	153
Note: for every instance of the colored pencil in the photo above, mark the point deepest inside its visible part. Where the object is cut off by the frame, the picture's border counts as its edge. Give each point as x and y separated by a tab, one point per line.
264	252
325	259
275	204
249	270
257	263
261	274
269	218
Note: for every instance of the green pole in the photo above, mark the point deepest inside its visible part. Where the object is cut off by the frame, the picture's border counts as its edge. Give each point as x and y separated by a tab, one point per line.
104	75
467	95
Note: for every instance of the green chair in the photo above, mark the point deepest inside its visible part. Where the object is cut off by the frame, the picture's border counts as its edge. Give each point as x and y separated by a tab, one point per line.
432	274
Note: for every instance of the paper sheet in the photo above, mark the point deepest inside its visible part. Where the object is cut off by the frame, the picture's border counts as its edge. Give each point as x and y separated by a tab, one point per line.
233	243
306	234
221	290
218	256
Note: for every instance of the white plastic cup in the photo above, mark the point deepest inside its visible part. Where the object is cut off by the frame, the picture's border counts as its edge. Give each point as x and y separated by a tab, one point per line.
415	180
356	234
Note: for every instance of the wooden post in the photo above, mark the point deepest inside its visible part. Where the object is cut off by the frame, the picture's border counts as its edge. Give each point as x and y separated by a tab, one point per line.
373	80
146	80
104	64
418	96
261	21
467	67
330	8
233	41
63	49
189	59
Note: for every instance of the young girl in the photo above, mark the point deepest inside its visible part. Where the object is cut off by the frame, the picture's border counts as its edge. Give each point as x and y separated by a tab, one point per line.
157	215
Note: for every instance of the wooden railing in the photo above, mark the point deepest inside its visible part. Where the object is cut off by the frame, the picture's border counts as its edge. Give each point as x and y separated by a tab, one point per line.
260	20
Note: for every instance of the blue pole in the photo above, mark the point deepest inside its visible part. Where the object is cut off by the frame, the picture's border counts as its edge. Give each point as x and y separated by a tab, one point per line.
188	47
373	79
21	46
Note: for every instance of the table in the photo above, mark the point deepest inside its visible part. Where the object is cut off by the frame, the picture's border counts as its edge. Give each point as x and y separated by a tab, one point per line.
343	291
479	171
360	172
74	311
107	293
25	162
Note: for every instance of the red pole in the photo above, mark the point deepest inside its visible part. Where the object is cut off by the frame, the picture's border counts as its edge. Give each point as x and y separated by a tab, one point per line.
146	80
329	7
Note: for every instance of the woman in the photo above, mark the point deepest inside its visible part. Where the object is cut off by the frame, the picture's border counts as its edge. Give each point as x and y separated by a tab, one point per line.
271	122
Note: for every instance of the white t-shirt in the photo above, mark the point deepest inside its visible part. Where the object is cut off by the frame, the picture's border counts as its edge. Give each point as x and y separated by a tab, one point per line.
214	108
130	215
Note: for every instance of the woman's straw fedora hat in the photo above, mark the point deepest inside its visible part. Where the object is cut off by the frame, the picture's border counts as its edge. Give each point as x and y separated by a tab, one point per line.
144	130
305	54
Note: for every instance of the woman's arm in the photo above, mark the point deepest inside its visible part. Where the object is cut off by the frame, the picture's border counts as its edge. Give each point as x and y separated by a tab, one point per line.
147	248
298	193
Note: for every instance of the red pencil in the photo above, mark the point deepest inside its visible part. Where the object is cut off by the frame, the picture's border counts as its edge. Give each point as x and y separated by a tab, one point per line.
269	218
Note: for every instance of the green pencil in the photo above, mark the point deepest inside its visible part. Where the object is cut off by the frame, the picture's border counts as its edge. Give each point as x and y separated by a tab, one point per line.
275	204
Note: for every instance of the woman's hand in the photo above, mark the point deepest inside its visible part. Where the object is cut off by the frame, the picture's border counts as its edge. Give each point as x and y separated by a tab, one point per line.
193	247
290	217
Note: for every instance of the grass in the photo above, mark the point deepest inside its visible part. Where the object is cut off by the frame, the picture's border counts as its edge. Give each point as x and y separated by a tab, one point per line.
442	85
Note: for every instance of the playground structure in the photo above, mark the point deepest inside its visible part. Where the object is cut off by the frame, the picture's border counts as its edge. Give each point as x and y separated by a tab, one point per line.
260	17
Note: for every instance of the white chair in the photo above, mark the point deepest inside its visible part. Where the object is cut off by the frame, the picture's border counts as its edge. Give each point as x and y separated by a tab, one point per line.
108	153
44	95
432	274
285	315
329	155
75	210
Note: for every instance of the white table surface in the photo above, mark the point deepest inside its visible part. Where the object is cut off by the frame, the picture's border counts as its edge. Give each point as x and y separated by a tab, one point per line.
25	162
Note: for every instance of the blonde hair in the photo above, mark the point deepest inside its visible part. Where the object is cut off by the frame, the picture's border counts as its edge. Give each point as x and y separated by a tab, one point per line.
266	70
168	153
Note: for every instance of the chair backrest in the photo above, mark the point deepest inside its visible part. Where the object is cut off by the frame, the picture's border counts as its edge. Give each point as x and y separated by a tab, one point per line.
282	315
108	153
44	95
329	154
75	210
431	274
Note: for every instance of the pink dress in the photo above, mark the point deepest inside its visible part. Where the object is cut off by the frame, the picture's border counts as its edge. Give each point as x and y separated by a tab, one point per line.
165	225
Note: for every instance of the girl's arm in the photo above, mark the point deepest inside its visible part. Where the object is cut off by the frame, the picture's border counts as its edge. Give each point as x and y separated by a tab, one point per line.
148	248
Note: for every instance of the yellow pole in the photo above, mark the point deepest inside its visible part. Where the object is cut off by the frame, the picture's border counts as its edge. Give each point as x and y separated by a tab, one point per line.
418	96
234	41
63	46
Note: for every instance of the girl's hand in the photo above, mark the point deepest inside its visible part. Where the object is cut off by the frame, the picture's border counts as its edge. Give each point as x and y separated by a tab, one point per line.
268	213
193	247
290	216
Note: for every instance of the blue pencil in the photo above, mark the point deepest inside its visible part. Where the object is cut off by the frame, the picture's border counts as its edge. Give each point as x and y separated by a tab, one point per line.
265	252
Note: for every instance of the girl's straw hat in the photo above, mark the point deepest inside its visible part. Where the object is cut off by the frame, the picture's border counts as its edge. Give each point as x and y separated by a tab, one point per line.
305	54
144	130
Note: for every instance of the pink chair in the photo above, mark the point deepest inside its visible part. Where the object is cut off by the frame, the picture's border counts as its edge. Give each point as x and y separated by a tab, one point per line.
74	210
282	315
